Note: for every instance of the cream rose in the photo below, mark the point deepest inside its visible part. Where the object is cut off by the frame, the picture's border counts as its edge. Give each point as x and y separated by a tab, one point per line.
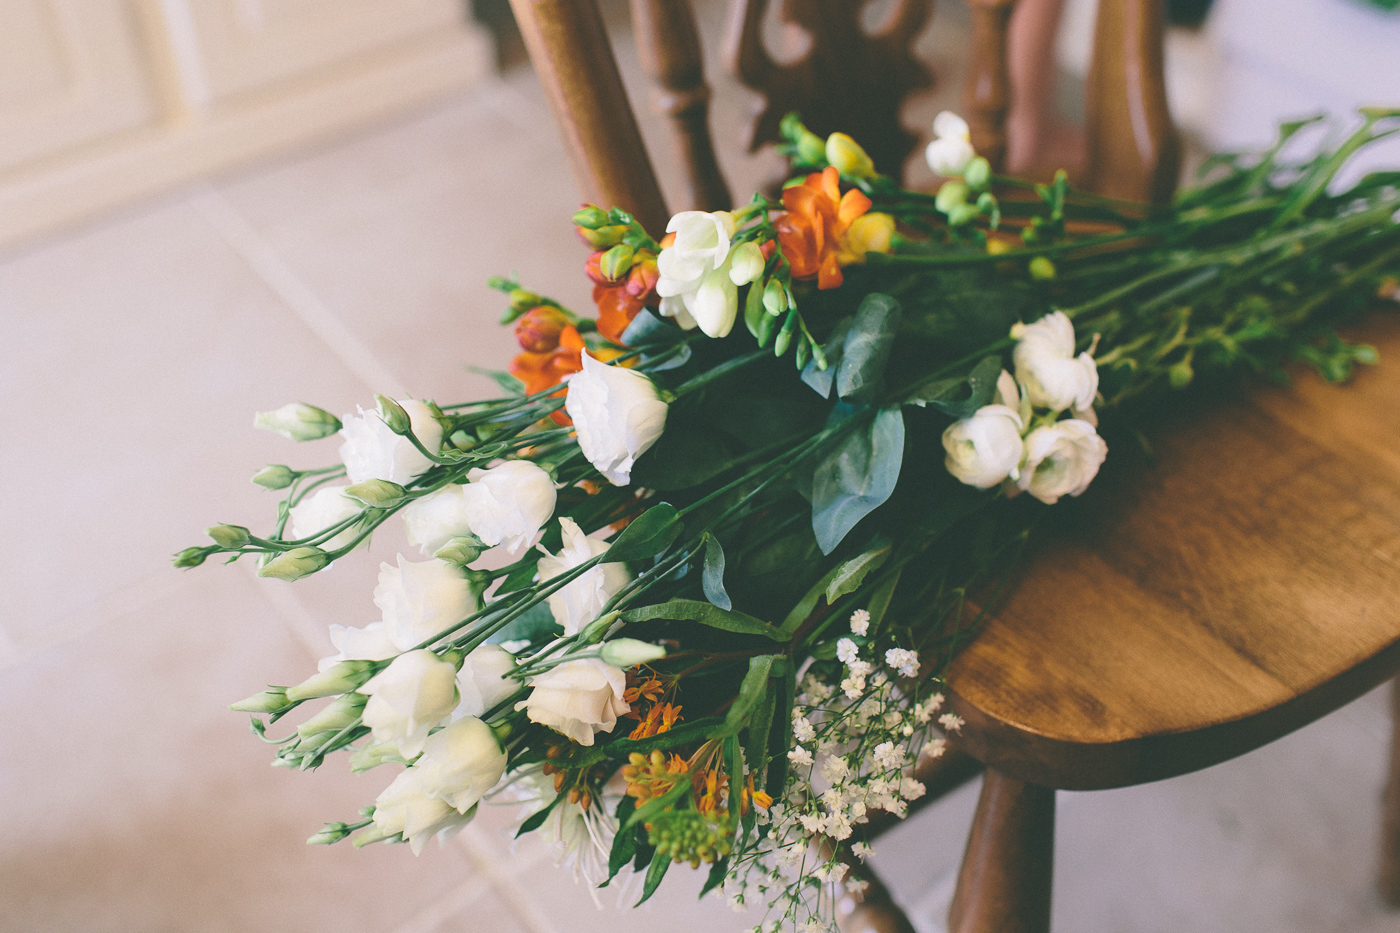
372	451
419	599
415	692
1053	376
578	698
483	682
326	507
951	148
985	449
580	602
1061	459
618	414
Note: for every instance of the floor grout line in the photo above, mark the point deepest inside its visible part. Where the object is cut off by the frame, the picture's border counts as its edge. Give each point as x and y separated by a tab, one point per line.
273	270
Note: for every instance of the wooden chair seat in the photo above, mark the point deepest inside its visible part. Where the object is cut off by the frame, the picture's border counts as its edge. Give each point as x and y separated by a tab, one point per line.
1191	610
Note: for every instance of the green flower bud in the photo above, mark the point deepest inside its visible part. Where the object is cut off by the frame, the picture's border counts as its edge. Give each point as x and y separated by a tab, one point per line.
269	701
374	755
780	345
377	493
1181	373
190	557
294	564
590	216
978	173
616	262
775	297
952	194
393	415
808	147
461	440
331	832
849	158
338	678
229	536
962	214
629	652
462	549
275	476
522	300
298	421
596	630
603	237
1042	269
338	714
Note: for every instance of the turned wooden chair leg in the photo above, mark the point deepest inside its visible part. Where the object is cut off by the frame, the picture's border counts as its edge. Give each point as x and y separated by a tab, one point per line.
1004	884
1390	807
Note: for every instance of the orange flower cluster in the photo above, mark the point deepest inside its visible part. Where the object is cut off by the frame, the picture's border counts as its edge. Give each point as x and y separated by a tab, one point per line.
645	689
823	229
551	348
621	289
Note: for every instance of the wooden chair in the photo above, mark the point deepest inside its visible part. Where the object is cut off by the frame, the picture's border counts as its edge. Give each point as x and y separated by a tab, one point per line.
1238	589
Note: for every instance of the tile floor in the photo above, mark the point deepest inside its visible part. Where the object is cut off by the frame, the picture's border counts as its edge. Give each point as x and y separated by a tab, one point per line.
132	353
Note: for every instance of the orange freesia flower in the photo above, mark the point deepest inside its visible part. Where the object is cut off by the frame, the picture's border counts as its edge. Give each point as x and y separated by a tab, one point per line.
539	328
544	368
817	217
616	309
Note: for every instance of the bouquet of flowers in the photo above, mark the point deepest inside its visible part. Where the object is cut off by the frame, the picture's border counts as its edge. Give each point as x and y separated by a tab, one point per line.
690	584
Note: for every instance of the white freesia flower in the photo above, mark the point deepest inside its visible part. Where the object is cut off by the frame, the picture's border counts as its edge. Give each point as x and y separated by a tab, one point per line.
404	808
371	643
579	603
1053	376
372	451
483	682
414	693
985	449
578	698
618	414
695	262
421	598
951	148
1062	459
460	763
326	507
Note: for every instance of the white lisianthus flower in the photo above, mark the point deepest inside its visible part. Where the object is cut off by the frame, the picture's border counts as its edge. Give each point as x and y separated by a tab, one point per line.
509	504
432	521
580	602
326	507
403	808
695	261
1053	376
578	698
371	643
419	599
985	449
460	763
372	451
483	682
1062	459
951	148
618	414
414	693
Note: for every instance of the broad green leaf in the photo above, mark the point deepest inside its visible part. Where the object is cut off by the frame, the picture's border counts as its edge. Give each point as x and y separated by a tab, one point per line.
960	397
780	738
760	725
535	626
624	845
648	330
751	691
850	574
698	730
808	604
535	820
712	580
879	602
856	477
718	871
861	373
647	535
655	873
693	610
821	380
734	764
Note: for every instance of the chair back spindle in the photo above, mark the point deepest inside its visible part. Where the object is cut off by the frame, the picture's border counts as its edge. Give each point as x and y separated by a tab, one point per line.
987	89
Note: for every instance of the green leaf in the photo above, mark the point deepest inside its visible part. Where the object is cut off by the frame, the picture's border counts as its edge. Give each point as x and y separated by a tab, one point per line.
718	871
867	348
690	732
754	311
734	764
780	738
647	535
712	580
856	477
760	724
648	330
624	845
649	810
655	873
850	574
751	691
508	383
948	395
821	380
693	610
879	602
535	625
535	820
808	604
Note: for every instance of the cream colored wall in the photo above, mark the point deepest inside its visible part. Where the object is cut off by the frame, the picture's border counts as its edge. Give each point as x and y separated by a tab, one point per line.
104	101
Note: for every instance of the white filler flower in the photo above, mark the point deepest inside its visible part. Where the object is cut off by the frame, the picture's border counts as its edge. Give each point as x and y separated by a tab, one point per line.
1062	459
579	603
414	693
618	414
372	451
985	449
326	507
578	698
1046	365
419	599
951	149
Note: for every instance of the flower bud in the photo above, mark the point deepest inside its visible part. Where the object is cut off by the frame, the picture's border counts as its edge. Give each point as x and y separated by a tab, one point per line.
275	476
538	329
462	549
643	276
616	262
962	214
190	557
1041	269
1181	373
374	755
229	536
393	415
331	832
298	421
269	701
590	216
338	678
808	146
596	630
604	237
774	297
294	564
629	652
746	263
977	173
338	714
376	493
951	195
849	158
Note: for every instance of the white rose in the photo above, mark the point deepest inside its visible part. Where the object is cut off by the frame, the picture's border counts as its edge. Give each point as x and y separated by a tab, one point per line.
951	148
483	682
326	507
694	272
419	599
415	692
618	414
509	504
460	763
578	698
372	451
405	809
1046	365
371	643
985	449
1062	459
580	602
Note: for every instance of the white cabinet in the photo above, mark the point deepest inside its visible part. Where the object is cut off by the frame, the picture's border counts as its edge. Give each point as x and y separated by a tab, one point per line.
103	101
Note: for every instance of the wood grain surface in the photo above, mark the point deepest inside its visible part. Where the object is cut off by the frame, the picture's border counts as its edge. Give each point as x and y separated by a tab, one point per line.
1191	610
